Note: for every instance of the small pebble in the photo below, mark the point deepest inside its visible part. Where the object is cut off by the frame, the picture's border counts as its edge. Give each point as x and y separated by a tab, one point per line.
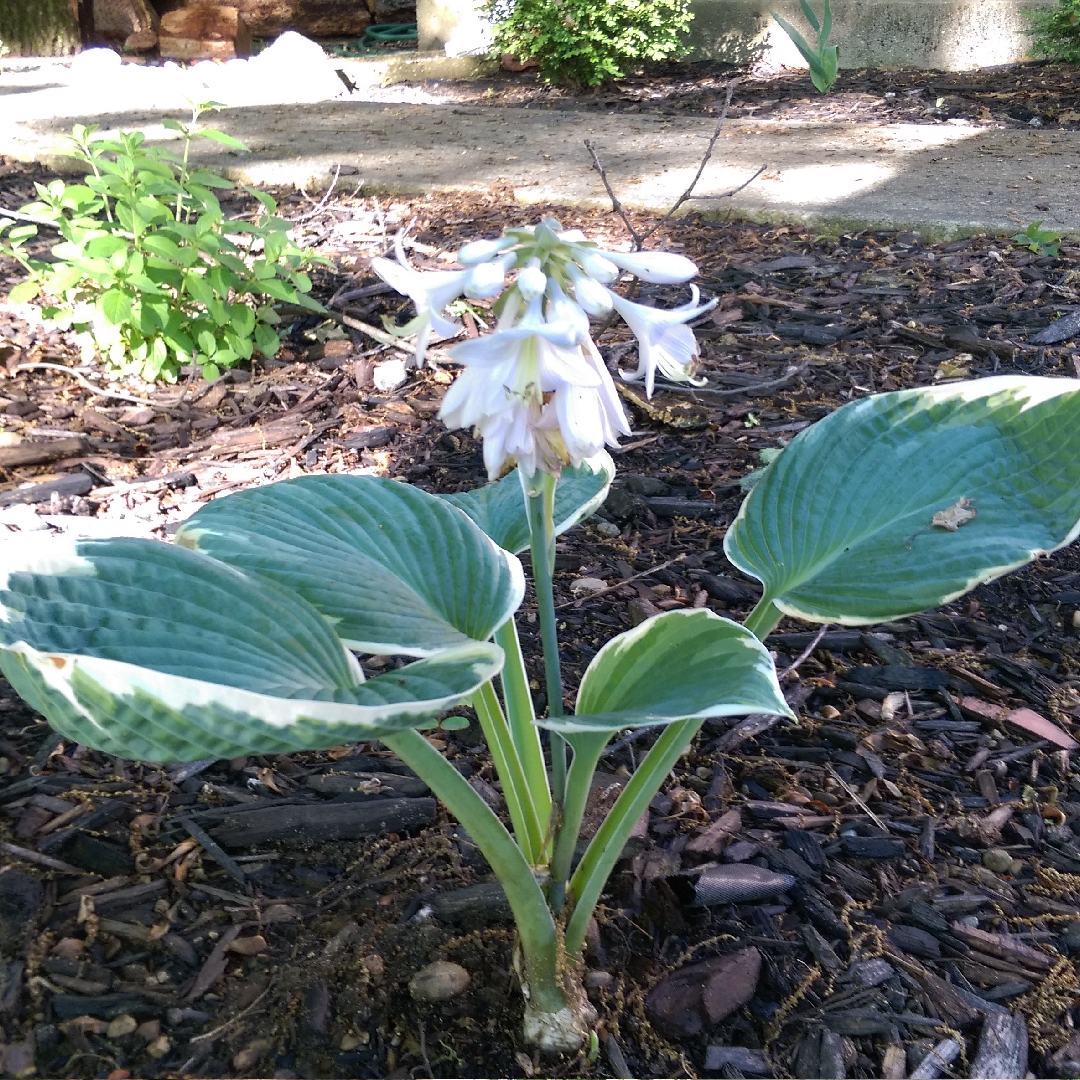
121	1025
249	946
439	981
997	859
389	375
159	1047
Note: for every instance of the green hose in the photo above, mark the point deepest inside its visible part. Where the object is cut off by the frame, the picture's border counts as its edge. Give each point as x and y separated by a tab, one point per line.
378	38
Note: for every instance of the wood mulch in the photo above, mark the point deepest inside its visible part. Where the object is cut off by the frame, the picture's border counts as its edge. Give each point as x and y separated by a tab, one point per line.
1032	94
262	917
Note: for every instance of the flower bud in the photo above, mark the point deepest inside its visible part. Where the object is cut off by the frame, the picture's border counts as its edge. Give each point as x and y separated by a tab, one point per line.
485	280
531	281
591	295
656	267
479	251
596	266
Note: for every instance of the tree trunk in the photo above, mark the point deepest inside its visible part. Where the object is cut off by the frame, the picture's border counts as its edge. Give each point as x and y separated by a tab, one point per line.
40	27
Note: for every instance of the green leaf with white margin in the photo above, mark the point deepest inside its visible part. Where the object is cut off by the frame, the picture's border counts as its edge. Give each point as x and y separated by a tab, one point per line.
839	528
394	569
675	666
148	651
499	508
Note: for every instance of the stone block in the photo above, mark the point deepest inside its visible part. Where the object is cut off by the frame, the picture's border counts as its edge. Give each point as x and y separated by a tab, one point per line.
118	20
204	32
314	18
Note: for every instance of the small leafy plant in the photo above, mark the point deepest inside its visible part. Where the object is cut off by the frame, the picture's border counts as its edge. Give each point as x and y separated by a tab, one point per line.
249	634
824	61
149	271
1056	31
1039	240
584	43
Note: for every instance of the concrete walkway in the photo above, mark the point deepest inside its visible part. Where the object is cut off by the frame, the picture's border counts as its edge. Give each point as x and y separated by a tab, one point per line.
940	179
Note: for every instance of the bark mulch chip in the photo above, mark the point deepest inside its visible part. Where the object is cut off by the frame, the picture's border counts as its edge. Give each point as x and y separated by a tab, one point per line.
888	887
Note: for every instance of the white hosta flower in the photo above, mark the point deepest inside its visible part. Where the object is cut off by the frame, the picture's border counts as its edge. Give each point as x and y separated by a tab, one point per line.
430	290
486	279
536	396
596	265
590	295
531	280
479	251
664	341
655	267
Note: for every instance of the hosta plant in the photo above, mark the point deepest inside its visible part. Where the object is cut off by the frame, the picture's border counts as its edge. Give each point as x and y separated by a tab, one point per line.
250	633
149	271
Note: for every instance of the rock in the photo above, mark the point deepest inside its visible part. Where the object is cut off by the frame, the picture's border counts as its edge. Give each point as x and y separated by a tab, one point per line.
252	1054
121	1025
439	981
119	19
998	860
141	41
20	898
204	32
315	18
583	586
389	375
738	883
248	946
688	999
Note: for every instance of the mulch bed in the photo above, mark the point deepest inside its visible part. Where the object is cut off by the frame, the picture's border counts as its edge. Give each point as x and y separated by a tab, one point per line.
1033	94
262	917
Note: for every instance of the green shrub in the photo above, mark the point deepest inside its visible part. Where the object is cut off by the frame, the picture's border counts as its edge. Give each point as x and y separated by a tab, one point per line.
1056	31
149	271
588	42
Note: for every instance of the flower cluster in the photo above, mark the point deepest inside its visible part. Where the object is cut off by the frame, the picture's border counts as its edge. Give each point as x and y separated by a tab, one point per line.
537	389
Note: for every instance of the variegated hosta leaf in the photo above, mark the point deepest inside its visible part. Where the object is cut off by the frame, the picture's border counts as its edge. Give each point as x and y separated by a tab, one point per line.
394	569
146	650
675	666
840	528
499	508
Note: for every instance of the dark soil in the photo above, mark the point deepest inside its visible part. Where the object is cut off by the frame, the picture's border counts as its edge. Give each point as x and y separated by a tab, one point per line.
327	934
1013	95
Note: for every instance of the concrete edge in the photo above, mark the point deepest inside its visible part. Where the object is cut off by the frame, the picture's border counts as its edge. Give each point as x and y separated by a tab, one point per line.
826	222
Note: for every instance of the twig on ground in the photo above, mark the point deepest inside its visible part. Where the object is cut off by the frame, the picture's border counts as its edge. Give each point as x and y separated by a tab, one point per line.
735	191
619	584
805	654
615	204
209	1036
854	796
771	384
704	161
100	391
322	203
372	332
18	215
640	238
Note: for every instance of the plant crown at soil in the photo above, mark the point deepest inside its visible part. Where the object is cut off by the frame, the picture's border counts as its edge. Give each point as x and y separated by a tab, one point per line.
149	271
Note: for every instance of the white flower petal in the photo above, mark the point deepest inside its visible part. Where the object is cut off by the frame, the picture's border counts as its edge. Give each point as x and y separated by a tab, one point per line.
482	250
656	267
531	282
